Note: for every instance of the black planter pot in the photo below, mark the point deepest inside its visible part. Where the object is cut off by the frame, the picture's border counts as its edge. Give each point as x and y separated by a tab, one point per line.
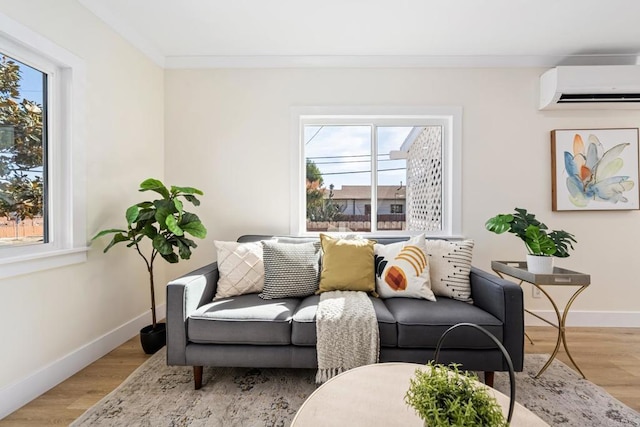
153	340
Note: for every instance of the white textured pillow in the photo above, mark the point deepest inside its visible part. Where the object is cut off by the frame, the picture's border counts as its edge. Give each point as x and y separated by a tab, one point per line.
450	264
402	269
241	268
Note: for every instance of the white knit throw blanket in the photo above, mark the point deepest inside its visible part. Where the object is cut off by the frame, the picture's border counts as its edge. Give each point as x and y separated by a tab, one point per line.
347	331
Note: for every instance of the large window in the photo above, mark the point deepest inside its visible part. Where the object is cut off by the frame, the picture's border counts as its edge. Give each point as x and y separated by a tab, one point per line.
42	171
377	170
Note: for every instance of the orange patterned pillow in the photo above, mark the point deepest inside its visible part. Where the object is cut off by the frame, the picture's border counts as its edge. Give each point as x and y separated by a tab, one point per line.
402	269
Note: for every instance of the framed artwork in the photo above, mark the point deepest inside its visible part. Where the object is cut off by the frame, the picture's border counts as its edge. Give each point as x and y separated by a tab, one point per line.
594	169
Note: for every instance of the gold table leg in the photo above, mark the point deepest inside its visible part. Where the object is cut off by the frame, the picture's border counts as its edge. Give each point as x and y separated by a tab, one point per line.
562	328
529	338
562	338
558	326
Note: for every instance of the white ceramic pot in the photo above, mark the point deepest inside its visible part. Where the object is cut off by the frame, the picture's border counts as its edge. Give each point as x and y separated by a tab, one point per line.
538	264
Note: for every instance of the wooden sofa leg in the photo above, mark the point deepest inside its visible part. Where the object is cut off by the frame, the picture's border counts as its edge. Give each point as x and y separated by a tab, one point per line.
197	377
488	378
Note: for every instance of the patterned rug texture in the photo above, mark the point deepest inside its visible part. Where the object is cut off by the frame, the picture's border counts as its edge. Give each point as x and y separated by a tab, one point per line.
160	395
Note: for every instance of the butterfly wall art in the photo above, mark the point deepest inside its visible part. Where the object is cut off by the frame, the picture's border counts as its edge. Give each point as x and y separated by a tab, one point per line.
594	169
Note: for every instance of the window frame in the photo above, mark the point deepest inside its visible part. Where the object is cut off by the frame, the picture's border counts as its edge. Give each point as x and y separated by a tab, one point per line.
450	117
65	157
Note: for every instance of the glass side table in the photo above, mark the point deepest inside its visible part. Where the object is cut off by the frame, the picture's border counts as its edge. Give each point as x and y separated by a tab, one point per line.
560	277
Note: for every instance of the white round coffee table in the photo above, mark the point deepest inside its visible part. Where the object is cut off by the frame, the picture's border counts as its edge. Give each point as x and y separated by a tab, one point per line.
373	395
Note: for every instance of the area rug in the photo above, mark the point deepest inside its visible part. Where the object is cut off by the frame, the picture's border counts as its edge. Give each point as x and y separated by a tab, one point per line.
160	395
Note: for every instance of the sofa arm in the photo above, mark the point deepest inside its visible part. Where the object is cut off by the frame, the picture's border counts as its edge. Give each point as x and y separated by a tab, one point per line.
185	295
504	300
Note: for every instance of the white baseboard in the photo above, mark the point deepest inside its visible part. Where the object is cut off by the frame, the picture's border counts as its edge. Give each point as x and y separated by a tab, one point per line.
602	319
23	391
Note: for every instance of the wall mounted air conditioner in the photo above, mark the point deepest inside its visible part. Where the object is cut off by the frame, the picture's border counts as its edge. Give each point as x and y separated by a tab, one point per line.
591	87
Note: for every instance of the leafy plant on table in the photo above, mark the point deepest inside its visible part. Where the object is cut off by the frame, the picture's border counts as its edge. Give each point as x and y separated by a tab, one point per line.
535	235
444	396
165	223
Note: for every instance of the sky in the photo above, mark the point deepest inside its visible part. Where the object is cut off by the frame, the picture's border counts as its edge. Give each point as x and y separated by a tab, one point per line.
31	87
339	151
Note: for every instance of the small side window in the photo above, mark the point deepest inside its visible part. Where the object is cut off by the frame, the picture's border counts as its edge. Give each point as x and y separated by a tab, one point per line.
23	153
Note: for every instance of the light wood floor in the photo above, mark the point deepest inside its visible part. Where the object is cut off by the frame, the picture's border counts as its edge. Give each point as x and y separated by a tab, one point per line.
609	357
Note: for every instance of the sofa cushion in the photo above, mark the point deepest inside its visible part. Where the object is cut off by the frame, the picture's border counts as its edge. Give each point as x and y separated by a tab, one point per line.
241	268
450	265
347	265
244	319
402	269
422	322
304	323
290	269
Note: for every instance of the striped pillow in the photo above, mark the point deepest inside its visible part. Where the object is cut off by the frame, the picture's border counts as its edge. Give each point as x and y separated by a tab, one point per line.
290	269
450	263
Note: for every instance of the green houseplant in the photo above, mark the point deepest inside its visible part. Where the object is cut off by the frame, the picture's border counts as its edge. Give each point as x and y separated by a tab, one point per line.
166	224
539	241
444	396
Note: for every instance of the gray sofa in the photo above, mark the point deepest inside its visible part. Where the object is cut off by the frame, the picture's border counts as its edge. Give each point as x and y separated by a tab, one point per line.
247	331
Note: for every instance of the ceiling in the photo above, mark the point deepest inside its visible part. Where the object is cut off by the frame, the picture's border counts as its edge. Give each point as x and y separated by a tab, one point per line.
273	33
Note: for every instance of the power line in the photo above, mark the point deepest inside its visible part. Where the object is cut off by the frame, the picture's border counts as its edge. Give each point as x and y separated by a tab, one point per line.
356	161
314	135
342	157
347	173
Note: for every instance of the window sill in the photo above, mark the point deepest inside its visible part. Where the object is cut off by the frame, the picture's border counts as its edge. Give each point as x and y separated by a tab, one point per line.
31	263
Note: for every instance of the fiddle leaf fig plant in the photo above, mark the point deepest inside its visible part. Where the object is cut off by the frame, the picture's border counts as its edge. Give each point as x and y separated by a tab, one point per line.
162	221
535	235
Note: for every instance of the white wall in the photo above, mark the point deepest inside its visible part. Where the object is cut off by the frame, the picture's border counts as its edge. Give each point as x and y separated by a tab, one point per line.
48	316
232	129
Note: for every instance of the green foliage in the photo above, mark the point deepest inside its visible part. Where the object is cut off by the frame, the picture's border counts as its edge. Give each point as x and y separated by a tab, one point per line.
319	208
313	173
538	242
21	148
164	222
315	192
533	233
562	241
445	396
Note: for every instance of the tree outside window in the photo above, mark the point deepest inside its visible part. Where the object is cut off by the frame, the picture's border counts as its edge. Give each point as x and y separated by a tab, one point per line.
22	151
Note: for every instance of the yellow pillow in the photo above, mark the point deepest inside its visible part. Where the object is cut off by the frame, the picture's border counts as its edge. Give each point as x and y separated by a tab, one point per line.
347	265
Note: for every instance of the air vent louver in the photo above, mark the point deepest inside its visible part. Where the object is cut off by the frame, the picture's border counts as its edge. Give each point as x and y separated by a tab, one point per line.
600	97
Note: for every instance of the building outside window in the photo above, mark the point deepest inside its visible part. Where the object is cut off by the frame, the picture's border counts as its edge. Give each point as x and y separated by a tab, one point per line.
397	209
379	172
